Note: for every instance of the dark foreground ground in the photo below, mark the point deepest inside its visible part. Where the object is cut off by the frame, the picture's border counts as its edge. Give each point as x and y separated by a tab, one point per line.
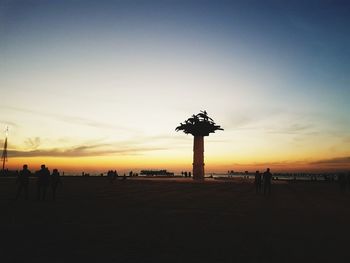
175	221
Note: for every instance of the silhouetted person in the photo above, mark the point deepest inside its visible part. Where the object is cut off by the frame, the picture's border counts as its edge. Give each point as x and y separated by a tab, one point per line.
124	177
257	182
115	175
267	176
130	174
23	182
185	174
110	176
55	181
43	181
342	181
189	174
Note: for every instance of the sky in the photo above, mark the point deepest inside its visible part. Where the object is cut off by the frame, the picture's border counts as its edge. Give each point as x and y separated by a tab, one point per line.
98	85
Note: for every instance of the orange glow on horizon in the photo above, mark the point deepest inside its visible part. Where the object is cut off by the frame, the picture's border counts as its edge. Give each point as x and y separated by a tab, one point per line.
122	164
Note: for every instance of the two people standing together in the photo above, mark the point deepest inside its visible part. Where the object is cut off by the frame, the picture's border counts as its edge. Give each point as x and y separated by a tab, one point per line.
263	181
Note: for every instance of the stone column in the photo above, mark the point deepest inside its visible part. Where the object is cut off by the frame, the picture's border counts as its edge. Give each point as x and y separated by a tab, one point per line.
198	158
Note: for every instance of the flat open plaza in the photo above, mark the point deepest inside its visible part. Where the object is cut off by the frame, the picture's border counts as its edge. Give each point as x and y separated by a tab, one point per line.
175	220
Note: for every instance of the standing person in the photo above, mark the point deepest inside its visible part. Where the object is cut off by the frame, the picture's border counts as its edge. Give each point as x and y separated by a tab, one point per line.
342	181
267	176
43	181
23	182
115	175
110	176
257	181
55	181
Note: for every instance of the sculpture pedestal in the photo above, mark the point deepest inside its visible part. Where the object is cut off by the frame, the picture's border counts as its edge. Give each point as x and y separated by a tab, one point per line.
198	158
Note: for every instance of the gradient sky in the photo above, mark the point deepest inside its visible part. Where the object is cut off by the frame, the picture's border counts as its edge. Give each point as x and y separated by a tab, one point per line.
97	85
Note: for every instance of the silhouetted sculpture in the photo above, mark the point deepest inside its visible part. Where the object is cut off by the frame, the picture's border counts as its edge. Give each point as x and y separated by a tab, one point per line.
43	181
267	176
199	125
55	181
23	182
257	182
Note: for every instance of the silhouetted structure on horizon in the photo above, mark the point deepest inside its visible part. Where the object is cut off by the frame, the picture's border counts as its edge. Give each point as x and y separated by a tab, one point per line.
199	125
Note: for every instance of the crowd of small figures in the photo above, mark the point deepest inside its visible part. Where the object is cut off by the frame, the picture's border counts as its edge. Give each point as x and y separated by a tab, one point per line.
51	180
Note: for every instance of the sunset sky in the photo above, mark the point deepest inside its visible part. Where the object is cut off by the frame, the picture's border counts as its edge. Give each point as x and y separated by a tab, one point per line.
98	85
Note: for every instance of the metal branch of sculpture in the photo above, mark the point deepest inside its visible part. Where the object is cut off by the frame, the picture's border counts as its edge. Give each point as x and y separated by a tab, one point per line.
199	125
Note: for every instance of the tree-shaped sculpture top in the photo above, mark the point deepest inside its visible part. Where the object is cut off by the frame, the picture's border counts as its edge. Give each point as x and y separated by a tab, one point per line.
199	125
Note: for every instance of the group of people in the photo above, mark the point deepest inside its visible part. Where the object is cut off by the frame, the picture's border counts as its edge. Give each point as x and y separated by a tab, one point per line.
44	179
112	175
263	182
186	174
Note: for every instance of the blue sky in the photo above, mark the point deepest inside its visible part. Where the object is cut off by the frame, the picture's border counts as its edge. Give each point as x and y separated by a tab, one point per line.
114	78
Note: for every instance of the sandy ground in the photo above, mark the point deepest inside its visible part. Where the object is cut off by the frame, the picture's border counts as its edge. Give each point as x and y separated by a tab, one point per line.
164	220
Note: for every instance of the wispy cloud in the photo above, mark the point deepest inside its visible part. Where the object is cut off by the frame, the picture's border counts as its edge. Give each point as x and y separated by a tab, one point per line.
294	128
32	143
83	151
68	119
5	123
272	121
347	139
333	161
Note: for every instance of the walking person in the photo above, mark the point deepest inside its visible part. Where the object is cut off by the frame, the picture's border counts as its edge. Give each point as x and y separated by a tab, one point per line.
267	176
43	182
257	182
55	181
23	182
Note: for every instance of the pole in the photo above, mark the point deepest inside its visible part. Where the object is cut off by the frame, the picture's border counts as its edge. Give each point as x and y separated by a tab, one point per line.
198	158
4	155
